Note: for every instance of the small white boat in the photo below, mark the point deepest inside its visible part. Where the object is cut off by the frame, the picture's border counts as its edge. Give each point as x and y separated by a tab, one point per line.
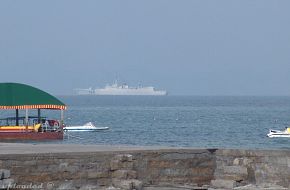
86	127
277	133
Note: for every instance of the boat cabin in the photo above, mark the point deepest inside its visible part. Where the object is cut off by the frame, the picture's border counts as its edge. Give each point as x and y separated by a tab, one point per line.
46	124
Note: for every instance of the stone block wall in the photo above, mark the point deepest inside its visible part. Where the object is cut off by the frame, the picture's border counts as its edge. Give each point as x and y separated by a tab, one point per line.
5	179
176	166
199	168
125	170
263	168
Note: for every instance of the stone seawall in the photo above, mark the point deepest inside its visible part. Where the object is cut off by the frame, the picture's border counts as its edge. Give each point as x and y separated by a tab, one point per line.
264	168
146	169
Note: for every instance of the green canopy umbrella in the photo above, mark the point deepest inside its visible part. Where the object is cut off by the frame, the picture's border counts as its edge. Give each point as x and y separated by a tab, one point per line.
22	96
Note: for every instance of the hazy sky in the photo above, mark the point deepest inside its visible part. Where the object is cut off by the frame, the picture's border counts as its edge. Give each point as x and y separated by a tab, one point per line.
189	47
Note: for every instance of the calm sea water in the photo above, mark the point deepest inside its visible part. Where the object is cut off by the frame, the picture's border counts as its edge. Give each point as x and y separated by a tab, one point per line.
187	121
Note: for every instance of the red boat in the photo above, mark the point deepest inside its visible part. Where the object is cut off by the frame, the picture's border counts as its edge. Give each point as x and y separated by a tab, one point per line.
23	97
46	129
31	135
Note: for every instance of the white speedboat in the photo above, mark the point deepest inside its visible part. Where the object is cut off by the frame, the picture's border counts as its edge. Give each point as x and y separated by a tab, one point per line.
277	133
86	127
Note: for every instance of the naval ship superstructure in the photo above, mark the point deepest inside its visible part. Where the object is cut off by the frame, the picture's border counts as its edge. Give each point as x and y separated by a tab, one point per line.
124	89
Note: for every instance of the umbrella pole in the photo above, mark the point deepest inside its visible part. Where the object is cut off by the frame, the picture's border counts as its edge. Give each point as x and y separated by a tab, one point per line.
17	117
26	117
61	117
38	115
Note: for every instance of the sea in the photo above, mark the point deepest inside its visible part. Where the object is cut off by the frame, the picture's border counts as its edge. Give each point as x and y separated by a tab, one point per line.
177	121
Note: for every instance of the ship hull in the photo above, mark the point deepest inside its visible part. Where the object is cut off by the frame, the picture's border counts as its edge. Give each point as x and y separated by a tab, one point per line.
81	128
129	92
13	135
86	127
